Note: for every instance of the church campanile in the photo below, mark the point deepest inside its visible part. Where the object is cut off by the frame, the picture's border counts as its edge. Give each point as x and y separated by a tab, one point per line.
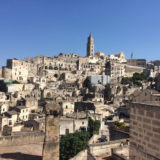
90	46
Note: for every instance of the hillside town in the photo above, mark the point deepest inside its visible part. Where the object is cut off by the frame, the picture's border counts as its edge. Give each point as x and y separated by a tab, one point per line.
122	94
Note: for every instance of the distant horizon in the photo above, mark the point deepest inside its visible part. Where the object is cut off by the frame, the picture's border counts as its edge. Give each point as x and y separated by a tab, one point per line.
32	28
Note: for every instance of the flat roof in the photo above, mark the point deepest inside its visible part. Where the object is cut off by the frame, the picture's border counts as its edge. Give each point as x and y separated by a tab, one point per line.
21	107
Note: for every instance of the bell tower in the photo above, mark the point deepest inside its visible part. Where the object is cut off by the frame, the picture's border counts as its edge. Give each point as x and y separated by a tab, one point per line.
90	46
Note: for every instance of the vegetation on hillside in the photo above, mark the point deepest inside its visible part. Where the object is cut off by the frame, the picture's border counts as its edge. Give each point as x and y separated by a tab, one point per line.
137	79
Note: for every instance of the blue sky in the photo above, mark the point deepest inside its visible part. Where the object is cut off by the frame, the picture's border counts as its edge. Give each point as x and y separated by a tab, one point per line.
48	27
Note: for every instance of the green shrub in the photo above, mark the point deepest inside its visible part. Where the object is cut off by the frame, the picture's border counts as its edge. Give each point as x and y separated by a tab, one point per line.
73	143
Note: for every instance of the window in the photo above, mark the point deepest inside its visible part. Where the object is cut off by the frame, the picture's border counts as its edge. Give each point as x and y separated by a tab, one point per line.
66	107
67	131
83	123
10	122
20	78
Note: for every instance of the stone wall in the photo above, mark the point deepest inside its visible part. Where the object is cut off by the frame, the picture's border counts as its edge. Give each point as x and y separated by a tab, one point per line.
144	131
130	70
81	156
94	139
91	156
121	153
22	139
105	148
51	141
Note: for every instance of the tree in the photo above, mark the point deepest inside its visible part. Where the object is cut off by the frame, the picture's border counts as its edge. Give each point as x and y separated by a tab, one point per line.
73	143
93	126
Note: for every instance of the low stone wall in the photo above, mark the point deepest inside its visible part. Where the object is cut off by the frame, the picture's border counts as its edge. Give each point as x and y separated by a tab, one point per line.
94	139
121	153
84	155
91	156
81	156
22	139
105	148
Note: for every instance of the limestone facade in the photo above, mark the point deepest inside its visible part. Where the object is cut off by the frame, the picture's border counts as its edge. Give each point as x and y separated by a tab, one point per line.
144	131
19	69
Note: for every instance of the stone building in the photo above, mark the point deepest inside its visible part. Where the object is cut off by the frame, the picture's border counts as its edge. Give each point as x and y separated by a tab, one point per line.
19	69
144	131
70	125
23	112
36	60
69	77
118	57
137	62
40	81
4	107
67	107
31	103
86	64
9	118
130	70
90	46
115	69
99	53
146	95
63	62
